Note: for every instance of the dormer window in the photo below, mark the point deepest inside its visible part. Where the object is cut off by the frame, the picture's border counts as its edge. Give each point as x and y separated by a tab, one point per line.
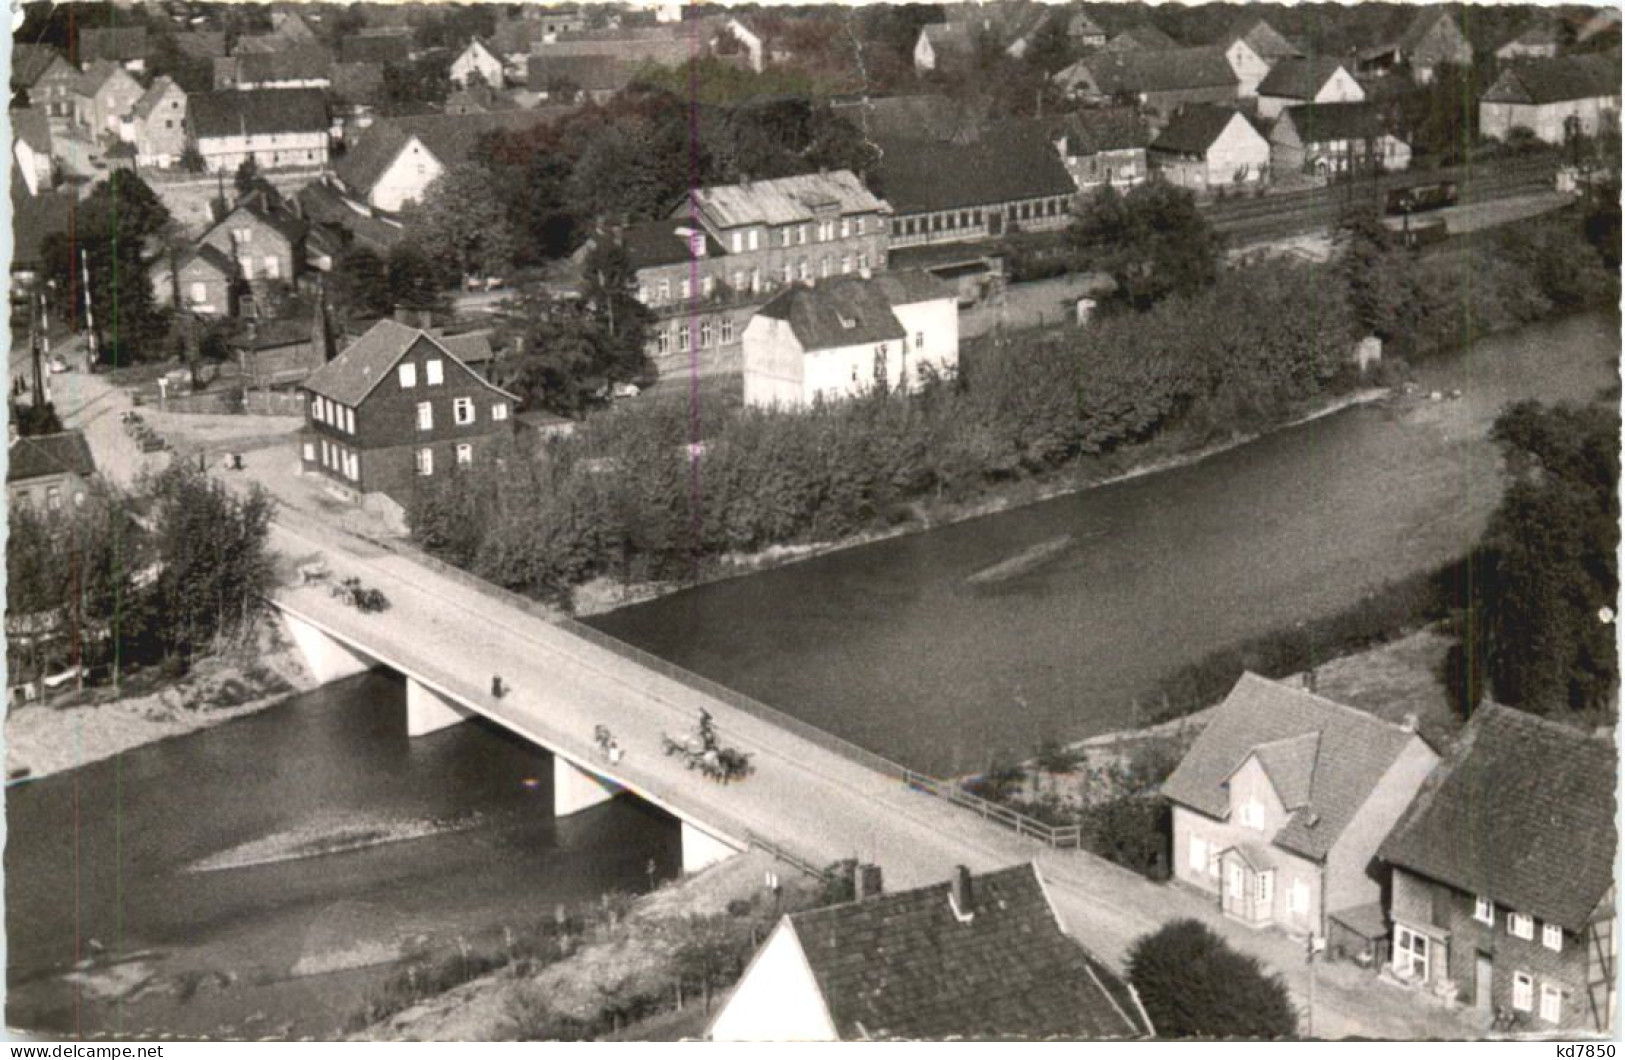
1551	936
1251	815
1520	925
847	322
1483	910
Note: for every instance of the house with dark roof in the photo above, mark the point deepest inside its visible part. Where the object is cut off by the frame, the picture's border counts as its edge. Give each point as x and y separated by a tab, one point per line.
1084	31
395	409
566	78
1503	874
47	471
1333	139
105	94
477	58
125	45
1431	39
279	128
263	236
280	354
394	160
34	219
1312	79
1264	39
1162	81
327	210
296	66
1206	147
31	147
1141	39
982	956
924	116
55	89
1103	145
208	282
158	124
1008	179
1535	42
848	336
941	44
357	88
1552	98
383	48
29	62
1280	804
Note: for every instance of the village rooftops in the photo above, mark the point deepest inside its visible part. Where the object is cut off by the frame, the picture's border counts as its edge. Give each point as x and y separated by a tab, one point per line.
1299	78
1195	128
1263	38
119	44
259	113
1168	70
301	62
1007	164
29	125
787	200
451	138
1521	811
1538	81
979	957
1098	129
918	117
1326	757
1324	122
29	61
666	242
1141	38
150	100
366	362
49	454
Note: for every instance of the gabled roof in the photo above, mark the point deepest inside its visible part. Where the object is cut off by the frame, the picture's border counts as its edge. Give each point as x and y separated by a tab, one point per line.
1089	132
322	205
786	200
1141	38
905	965
1543	34
29	61
261	112
919	117
29	125
1522	811
98	74
1262	38
449	137
1301	77
1559	80
1290	765
1168	70
209	255
161	87
1007	164
1195	128
1421	24
118	44
278	218
201	44
375	48
1322	122
358	82
662	51
949	38
1081	25
49	454
844	311
303	62
1352	752
665	242
588	73
352	375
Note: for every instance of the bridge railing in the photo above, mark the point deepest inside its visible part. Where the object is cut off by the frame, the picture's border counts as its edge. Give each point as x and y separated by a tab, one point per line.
1067	836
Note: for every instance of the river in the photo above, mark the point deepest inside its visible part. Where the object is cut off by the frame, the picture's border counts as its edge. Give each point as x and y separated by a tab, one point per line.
101	862
948	649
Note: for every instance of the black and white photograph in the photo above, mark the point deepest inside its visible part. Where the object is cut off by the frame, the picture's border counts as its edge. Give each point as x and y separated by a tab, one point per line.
640	521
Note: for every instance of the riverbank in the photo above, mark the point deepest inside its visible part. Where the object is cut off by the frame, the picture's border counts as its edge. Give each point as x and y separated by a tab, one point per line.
650	961
604	595
42	739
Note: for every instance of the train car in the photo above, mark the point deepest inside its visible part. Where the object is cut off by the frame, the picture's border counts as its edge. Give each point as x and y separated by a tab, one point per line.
1425	235
1422	197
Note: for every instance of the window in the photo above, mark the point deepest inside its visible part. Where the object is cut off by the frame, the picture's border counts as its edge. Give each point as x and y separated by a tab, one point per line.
1483	910
663	341
726	331
863	263
683	289
1523	991
243	235
1297	899
425	416
1551	1003
315	407
408	373
327	453
823	268
706	331
846	228
684	338
434	372
200	292
860	226
738	242
352	465
755	280
696	244
349	421
755	239
665	290
739	279
643	295
1410	954
499	411
1266	887
310	452
919	340
423	461
896	229
462	410
1252	815
846	264
1520	926
784	236
246	263
53	498
1551	936
273	268
1198	862
789	273
803	271
708	286
465	454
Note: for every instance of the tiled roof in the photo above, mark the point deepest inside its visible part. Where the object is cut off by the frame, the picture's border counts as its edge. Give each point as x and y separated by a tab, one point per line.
261	112
1290	764
119	44
1168	70
1522	811
201	44
352	375
1097	129
324	206
35	218
449	137
587	73
1141	38
304	62
665	242
922	117
1353	752
905	966
1299	78
787	200
848	311
910	286
1535	36
28	61
375	48
49	454
358	82
1194	129
1263	38
1420	25
1081	25
32	127
149	100
1571	77
662	51
949	38
473	347
1321	122
98	74
1008	164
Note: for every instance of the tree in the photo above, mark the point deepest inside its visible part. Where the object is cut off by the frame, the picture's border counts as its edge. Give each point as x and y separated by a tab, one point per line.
360	285
1153	242
31	419
248	176
1050	49
461	224
1550	559
1380	276
192	159
414	278
609	294
1194	985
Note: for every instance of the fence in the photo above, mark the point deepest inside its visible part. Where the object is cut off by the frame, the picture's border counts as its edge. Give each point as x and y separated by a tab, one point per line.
1056	836
272	403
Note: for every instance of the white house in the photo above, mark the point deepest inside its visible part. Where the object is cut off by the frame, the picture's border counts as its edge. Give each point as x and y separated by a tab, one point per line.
31	146
750	40
477	59
278	128
1207	147
1250	67
847	335
917	964
1317	79
1550	97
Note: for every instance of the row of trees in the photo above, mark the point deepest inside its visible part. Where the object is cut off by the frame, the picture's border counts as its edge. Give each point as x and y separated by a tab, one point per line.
161	573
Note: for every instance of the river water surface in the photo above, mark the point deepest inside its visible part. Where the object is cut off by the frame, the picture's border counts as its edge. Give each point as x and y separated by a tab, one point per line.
945	649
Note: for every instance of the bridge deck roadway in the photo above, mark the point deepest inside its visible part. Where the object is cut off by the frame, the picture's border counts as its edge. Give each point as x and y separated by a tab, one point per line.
811	800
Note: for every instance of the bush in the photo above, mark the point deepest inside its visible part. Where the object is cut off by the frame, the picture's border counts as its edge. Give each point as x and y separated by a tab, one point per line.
1194	985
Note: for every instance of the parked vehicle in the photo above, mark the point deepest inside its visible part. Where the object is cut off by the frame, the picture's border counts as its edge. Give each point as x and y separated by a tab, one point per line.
1422	197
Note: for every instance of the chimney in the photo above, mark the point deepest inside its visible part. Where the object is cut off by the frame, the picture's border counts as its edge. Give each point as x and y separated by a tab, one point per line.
959	894
1309	680
866	883
1408	723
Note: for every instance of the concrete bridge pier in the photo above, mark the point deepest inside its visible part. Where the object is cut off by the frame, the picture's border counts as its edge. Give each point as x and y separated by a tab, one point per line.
327	658
428	711
701	849
576	789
